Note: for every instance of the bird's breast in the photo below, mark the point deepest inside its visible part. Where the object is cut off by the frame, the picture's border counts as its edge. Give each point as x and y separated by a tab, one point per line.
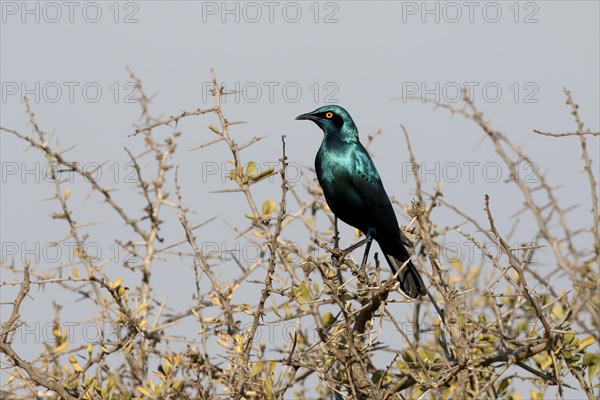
334	169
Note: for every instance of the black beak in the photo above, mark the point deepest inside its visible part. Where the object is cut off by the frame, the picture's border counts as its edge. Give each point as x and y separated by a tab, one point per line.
308	116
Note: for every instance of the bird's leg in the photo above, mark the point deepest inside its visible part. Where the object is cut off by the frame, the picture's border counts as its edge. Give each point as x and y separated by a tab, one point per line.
336	237
366	255
370	235
336	244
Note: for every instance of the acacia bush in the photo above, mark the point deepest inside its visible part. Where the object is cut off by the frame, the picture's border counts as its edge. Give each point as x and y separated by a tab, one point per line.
345	335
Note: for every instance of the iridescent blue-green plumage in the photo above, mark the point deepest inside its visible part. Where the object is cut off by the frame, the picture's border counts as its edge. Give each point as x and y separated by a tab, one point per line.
354	191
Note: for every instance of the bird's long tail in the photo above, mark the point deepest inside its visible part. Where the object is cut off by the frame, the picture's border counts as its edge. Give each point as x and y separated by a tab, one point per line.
409	278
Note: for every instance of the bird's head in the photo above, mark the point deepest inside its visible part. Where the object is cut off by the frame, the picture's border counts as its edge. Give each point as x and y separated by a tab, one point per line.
333	120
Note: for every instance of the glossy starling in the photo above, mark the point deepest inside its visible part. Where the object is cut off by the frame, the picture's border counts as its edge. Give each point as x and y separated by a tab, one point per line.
354	192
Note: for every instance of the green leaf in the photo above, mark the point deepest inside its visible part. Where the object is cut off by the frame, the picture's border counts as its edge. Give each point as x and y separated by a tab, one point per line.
588	341
263	174
328	319
145	392
543	360
568	338
269	388
305	292
256	369
376	376
590	358
268	207
592	369
408	356
250	167
272	369
535	395
503	385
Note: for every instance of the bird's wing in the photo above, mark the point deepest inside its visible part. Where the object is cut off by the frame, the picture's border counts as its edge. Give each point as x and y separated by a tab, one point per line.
368	184
381	215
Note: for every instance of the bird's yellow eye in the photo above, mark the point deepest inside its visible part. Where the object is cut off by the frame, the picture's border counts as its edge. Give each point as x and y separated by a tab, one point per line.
329	115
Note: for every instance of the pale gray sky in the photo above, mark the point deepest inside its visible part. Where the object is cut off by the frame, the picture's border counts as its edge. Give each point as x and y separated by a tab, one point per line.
290	57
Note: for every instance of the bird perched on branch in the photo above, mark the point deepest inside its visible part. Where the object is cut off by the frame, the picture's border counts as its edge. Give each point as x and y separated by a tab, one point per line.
354	192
